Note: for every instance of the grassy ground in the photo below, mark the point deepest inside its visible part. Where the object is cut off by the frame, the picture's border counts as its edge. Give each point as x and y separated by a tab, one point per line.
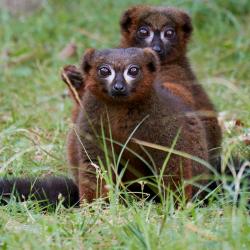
35	116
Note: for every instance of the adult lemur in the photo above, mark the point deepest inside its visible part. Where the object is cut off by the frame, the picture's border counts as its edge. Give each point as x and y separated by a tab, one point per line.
121	93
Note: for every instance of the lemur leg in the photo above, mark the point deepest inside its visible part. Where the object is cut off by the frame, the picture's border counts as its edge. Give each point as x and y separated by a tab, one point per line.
91	182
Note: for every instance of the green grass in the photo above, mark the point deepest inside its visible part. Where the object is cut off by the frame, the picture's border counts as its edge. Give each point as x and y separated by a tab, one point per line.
35	117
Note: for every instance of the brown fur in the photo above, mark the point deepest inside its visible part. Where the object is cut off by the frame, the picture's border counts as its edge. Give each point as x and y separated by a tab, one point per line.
175	74
164	115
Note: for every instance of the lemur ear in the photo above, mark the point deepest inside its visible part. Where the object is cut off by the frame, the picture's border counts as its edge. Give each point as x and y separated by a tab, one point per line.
187	26
151	59
87	59
126	18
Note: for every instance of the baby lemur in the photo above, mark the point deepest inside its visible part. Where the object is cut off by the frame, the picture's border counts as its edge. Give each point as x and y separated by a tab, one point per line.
167	31
120	93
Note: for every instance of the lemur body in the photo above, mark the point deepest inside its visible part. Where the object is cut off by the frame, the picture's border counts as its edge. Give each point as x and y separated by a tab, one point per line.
167	31
120	85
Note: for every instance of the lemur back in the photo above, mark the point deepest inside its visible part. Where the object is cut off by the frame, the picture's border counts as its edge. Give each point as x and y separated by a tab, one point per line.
120	94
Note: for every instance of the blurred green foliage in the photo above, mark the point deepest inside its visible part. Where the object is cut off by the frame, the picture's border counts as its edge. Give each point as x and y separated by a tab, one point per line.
35	116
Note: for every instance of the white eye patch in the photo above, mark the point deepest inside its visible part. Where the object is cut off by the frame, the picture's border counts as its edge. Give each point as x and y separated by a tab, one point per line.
163	38
149	39
109	79
129	79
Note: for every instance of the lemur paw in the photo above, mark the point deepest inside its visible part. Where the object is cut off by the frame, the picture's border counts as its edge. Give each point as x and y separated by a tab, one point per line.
74	76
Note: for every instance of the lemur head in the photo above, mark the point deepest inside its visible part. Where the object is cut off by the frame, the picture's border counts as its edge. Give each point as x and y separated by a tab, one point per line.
120	75
165	30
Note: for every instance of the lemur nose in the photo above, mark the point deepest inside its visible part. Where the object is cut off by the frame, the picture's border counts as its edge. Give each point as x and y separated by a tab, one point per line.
119	87
157	49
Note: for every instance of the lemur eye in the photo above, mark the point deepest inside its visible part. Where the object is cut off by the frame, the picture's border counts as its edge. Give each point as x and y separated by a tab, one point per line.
104	71
143	32
169	33
133	71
